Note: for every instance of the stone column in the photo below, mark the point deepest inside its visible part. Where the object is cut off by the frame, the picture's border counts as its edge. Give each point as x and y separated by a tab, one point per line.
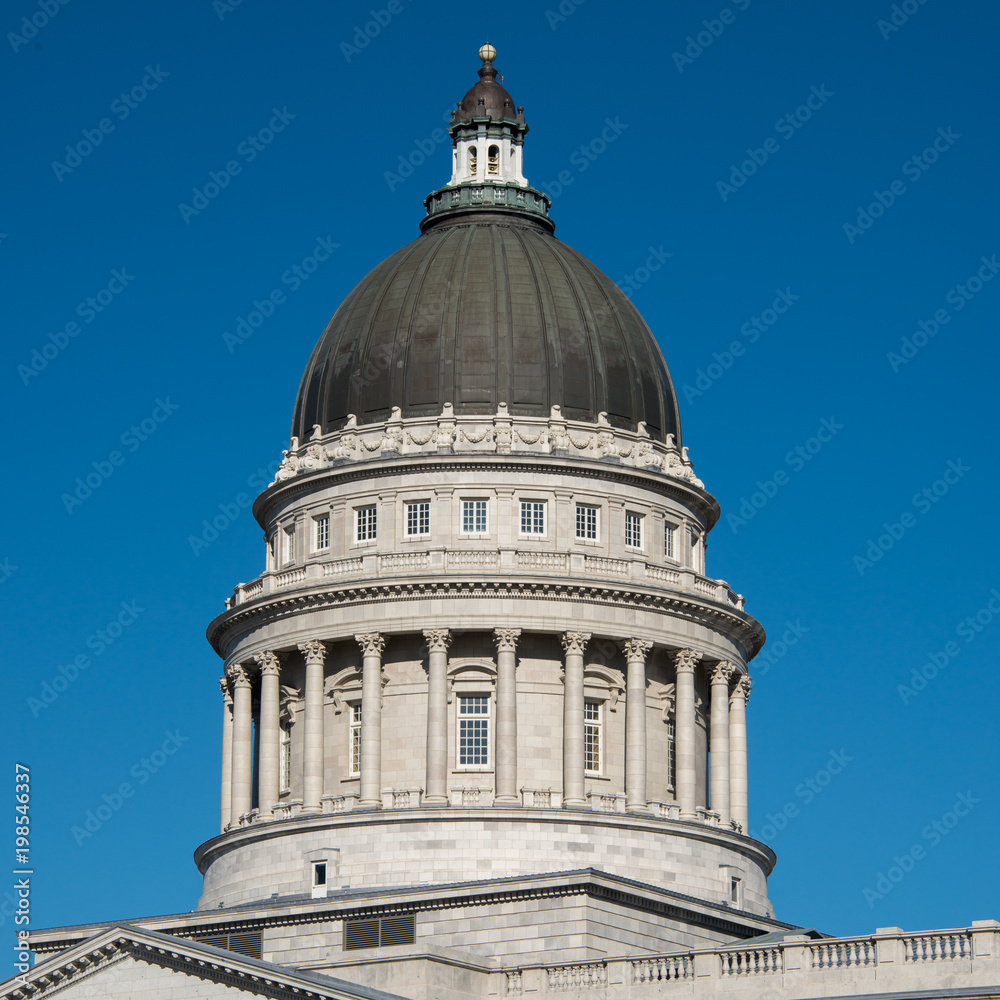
718	748
313	736
685	763
372	644
635	725
506	745
574	644
270	735
242	743
436	792
738	751
226	804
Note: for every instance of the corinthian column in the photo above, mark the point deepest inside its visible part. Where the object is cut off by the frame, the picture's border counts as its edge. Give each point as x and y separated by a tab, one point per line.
270	735
506	753
574	644
438	640
685	763
372	644
242	743
313	737
226	803
718	751
635	725
738	751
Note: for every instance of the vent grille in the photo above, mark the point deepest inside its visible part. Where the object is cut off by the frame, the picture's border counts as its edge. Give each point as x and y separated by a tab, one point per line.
379	932
248	943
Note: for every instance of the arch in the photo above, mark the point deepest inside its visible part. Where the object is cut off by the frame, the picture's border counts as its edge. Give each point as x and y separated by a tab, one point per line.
473	161
493	161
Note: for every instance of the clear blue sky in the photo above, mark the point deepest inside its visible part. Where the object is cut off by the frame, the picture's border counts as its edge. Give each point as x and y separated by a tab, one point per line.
176	282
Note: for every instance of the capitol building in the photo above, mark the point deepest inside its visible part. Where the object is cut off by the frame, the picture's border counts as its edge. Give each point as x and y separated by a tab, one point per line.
484	711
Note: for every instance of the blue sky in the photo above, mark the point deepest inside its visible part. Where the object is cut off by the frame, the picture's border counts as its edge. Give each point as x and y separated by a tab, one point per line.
807	156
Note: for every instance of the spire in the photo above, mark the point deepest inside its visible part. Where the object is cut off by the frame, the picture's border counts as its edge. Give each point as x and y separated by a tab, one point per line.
487	135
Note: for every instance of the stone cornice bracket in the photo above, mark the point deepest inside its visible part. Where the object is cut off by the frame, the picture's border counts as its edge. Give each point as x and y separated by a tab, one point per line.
371	643
686	660
224	688
506	639
635	649
575	642
268	662
238	675
742	689
313	650
438	639
722	672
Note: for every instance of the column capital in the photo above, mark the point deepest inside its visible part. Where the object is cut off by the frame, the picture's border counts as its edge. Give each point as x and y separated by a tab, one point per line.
722	672
239	676
224	688
371	643
685	660
268	663
742	689
575	642
438	639
635	649
506	639
313	650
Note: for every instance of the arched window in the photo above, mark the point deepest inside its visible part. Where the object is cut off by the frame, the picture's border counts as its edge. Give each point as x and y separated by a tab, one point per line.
472	161
493	161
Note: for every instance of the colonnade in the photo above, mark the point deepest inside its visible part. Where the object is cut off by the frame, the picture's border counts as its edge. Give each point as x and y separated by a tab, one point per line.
729	691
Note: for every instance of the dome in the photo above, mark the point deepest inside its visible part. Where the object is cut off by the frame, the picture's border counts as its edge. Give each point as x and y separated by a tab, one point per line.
483	311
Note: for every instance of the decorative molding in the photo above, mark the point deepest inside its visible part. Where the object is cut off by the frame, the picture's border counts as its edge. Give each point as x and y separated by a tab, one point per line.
227	696
686	660
268	663
636	649
506	639
371	643
313	650
668	698
239	676
742	689
722	672
575	642
438	639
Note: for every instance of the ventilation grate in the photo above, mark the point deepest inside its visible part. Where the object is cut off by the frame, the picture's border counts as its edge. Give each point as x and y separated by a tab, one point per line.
377	932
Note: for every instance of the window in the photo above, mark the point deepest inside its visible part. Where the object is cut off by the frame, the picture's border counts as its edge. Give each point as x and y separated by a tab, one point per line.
532	517
474	517
670	541
319	874
473	161
586	522
493	161
473	730
671	756
633	530
592	737
418	518
735	890
285	758
365	524
322	532
290	544
354	745
374	932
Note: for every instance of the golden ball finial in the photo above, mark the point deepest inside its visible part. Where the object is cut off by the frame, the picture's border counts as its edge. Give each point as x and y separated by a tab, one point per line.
487	53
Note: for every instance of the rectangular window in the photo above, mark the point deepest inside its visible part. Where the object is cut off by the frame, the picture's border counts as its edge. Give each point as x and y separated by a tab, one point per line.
735	885
592	737
586	522
671	758
319	874
473	730
365	524
355	740
670	541
633	530
290	544
418	518
322	532
285	758
474	517
532	517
